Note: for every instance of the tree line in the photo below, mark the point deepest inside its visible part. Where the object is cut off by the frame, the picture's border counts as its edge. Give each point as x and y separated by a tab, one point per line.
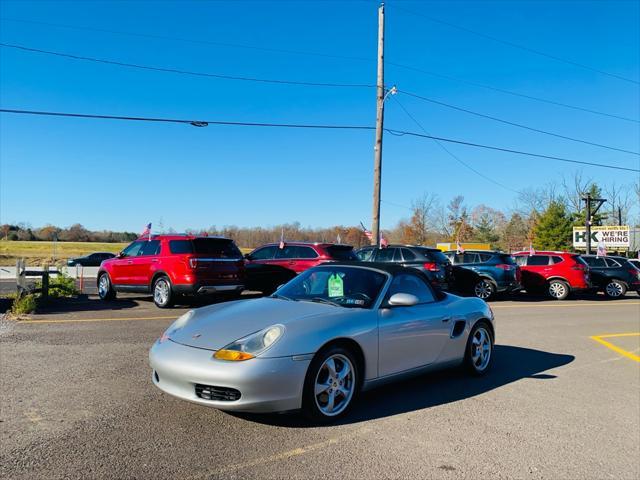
542	217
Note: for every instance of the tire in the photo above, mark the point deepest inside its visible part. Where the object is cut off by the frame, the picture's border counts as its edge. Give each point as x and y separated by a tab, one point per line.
558	289
317	406
479	350
106	291
615	289
163	295
484	289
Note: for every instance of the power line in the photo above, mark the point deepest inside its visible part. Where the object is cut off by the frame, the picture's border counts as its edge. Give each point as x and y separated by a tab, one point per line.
190	40
183	72
516	45
514	124
512	93
451	154
204	123
328	55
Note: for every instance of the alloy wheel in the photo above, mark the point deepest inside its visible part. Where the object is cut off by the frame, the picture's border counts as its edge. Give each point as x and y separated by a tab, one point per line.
103	286
480	349
483	289
161	292
557	290
334	385
614	289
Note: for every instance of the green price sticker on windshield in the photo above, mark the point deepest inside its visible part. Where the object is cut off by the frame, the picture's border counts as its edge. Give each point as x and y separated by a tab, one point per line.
335	287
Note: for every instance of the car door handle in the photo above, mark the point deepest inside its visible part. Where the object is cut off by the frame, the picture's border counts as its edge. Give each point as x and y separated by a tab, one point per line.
292	262
129	262
446	319
154	260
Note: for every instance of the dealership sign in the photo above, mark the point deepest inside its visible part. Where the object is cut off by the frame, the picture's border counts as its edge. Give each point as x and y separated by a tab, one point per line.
612	236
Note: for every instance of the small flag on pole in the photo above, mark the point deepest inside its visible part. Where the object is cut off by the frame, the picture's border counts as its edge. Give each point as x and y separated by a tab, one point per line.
338	239
602	250
383	241
367	233
146	232
531	249
281	246
459	247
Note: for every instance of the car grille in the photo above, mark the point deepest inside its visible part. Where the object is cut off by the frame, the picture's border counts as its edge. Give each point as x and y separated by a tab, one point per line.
220	394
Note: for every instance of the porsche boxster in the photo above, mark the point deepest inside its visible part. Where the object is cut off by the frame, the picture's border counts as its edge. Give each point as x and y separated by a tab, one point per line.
331	332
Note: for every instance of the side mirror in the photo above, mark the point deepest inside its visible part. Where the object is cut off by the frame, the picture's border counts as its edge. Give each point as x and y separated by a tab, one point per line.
403	300
120	255
247	256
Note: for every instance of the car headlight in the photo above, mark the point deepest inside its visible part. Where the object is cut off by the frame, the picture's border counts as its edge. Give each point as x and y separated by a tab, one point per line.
177	325
251	345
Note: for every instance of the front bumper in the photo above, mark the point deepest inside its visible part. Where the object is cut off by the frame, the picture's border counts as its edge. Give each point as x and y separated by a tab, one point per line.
265	384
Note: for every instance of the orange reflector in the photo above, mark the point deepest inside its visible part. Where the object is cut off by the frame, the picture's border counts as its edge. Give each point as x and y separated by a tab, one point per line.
232	355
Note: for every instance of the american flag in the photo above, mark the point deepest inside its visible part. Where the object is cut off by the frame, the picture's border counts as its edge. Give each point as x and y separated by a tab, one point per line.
459	247
531	249
367	233
146	232
602	250
383	241
281	239
338	239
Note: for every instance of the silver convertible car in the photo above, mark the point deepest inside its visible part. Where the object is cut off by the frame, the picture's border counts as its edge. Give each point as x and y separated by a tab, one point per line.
330	333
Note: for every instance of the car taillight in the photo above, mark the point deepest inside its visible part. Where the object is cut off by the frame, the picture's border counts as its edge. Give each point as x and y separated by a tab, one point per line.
579	266
505	266
193	262
432	267
635	273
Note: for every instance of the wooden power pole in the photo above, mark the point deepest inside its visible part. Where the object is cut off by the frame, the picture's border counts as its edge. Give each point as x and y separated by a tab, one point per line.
377	155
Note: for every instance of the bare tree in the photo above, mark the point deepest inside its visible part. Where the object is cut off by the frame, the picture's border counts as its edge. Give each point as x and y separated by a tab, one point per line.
618	203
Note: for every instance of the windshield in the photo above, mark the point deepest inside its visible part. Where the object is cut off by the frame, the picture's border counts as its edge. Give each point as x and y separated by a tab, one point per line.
348	287
342	253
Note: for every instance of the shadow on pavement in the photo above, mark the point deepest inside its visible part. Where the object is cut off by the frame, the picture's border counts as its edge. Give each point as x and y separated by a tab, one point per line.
510	365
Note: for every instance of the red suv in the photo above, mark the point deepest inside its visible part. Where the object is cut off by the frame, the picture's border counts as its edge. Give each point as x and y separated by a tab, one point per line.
171	265
557	273
269	266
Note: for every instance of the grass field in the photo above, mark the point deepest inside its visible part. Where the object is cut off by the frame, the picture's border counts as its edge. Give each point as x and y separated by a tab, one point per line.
38	253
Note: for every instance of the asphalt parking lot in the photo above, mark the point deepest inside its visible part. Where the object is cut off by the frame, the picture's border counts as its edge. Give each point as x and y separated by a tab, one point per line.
76	401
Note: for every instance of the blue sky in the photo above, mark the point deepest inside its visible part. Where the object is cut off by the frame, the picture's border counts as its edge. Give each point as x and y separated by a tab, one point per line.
121	175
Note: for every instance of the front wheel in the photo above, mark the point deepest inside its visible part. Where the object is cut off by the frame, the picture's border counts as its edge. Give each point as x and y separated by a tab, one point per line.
615	289
479	349
484	289
558	289
163	296
105	288
331	385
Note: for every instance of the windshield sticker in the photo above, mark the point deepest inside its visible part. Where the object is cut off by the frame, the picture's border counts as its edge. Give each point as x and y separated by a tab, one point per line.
335	286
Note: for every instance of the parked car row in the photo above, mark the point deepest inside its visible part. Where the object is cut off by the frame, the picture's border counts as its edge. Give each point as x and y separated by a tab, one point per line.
168	266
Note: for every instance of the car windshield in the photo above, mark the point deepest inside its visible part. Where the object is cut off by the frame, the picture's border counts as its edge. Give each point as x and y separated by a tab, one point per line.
342	253
349	287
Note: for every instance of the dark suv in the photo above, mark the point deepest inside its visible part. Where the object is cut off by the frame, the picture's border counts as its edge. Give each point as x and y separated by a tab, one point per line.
613	275
497	271
170	265
431	261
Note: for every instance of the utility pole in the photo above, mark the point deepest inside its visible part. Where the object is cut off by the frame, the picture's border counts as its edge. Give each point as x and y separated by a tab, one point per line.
377	155
588	217
619	215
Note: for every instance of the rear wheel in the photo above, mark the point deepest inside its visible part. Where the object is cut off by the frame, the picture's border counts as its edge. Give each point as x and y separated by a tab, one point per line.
558	289
484	289
479	349
615	289
331	385
163	296
105	288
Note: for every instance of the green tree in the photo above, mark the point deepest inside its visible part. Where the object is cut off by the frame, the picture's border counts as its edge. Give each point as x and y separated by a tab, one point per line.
553	229
516	234
597	219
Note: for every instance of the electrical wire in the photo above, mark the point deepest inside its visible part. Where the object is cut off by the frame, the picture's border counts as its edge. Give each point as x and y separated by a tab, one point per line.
516	45
204	123
327	55
514	124
451	154
183	72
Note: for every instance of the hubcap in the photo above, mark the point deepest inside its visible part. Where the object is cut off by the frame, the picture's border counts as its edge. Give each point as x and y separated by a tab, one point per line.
614	289
103	286
480	349
483	289
334	385
161	292
557	290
